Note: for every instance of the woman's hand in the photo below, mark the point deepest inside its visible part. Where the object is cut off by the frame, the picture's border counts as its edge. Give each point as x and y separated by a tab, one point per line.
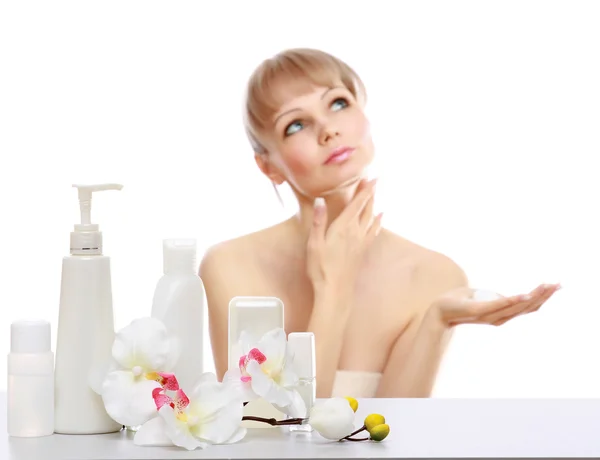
463	306
334	254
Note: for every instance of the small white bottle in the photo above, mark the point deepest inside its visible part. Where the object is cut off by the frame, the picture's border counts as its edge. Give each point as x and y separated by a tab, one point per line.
30	389
85	328
179	303
256	315
302	345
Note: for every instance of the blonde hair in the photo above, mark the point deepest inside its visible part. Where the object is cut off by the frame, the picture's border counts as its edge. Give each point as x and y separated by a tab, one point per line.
301	68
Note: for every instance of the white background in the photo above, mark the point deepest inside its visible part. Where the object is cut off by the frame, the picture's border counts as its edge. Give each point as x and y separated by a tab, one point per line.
486	121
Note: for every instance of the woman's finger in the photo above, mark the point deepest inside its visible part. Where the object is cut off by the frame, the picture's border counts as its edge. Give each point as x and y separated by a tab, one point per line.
538	297
487	312
366	217
375	227
356	206
549	291
482	309
317	231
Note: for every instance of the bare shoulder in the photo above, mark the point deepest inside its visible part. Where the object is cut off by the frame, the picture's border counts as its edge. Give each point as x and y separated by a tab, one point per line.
433	272
232	257
441	270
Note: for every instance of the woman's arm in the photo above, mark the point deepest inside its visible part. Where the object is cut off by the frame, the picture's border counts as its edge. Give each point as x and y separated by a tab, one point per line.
217	271
328	322
415	359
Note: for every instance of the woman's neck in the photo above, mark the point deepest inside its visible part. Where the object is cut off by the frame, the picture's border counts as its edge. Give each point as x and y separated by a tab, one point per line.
335	202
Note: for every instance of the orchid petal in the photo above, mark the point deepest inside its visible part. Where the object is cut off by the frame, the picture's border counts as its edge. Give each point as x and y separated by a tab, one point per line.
256	355
247	341
296	408
181	400
206	377
160	398
274	346
219	427
219	410
168	381
128	400
288	378
152	434
237	436
178	431
214	394
264	386
232	378
261	383
145	343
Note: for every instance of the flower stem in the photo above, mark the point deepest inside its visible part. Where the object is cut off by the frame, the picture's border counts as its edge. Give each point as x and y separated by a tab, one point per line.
274	422
363	428
356	439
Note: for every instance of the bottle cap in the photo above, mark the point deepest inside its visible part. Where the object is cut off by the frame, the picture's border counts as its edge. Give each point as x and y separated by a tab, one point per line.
179	255
86	237
302	345
30	337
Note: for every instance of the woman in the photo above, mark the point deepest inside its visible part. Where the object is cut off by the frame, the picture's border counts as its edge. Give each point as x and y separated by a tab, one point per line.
382	308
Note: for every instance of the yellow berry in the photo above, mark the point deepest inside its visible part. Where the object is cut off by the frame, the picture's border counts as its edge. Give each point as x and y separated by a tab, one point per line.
373	420
353	403
379	432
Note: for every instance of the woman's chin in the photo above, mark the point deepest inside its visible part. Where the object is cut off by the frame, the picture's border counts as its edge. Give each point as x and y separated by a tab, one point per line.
342	186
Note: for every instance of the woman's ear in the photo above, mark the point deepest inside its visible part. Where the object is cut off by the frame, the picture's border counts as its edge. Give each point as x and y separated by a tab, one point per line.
268	169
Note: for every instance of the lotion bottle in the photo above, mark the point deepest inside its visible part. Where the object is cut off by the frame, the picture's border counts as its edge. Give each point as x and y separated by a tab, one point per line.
302	345
179	303
85	332
30	389
257	316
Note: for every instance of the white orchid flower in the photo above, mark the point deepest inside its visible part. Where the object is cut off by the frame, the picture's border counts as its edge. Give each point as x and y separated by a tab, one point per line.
265	371
143	353
332	418
211	415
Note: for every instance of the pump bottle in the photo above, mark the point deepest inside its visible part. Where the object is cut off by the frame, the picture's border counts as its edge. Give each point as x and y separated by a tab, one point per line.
179	303
85	332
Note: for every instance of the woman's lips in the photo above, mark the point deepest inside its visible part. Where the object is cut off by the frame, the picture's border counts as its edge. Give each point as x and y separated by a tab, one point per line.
339	155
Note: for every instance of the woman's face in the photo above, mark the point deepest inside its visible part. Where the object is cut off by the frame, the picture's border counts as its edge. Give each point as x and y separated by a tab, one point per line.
320	141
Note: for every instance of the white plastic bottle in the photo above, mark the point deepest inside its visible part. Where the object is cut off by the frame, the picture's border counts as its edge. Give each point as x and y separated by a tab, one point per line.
179	303
85	328
302	345
30	389
256	316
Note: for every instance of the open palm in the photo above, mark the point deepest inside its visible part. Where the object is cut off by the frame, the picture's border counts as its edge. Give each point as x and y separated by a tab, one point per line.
462	306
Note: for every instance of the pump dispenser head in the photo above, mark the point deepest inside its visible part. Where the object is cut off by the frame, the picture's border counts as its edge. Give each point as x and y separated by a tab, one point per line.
86	237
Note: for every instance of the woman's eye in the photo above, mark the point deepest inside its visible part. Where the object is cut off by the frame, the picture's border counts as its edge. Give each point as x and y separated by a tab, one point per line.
339	103
293	128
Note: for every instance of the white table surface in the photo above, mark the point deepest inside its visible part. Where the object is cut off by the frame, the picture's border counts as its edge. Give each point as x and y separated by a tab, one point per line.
420	428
